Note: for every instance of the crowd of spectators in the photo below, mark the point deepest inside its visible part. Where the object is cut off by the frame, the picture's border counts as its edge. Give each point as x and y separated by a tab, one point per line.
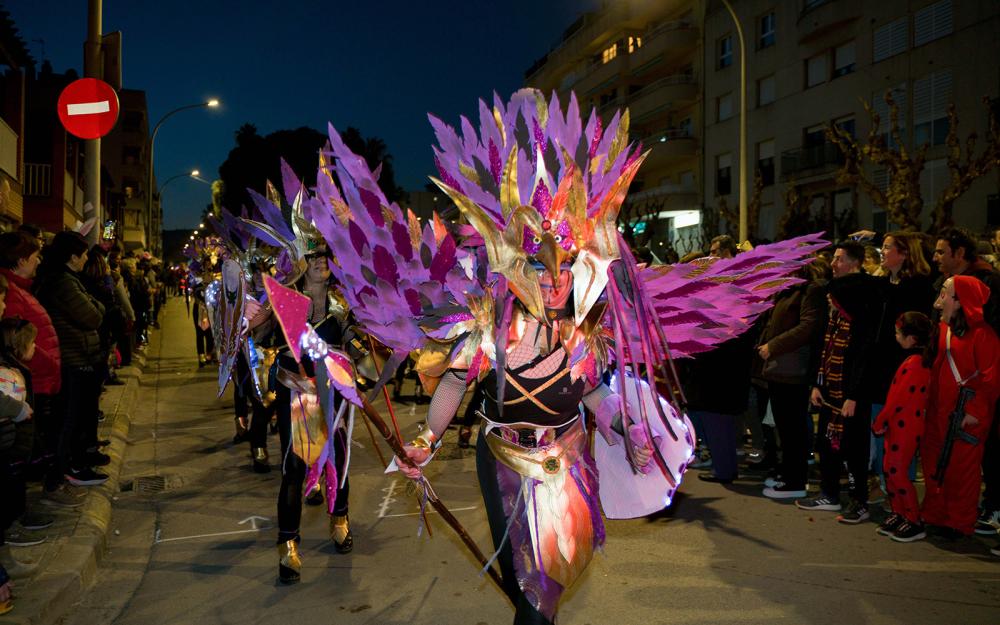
71	313
862	364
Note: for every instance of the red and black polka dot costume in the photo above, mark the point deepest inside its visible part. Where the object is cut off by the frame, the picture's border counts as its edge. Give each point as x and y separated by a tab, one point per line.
902	422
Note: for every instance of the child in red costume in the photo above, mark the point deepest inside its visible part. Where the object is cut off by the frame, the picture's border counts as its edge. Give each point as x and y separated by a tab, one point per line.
974	363
901	420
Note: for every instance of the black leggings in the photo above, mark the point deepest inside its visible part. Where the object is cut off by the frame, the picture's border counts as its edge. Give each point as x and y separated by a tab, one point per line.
293	472
245	397
486	468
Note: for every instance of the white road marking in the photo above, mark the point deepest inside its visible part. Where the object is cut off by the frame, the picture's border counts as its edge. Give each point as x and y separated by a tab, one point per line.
169	540
429	511
387	500
88	108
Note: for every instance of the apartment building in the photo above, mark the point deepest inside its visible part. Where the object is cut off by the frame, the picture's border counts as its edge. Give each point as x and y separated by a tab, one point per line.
15	62
125	155
809	63
644	55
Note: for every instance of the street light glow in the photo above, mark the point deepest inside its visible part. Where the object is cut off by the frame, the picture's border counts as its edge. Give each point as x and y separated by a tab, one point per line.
201	225
192	237
213	103
195	173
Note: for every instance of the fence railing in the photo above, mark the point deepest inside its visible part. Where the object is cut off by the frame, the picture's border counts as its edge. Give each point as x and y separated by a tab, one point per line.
37	179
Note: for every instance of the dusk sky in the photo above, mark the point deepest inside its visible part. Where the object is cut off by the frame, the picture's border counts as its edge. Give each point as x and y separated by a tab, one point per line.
378	66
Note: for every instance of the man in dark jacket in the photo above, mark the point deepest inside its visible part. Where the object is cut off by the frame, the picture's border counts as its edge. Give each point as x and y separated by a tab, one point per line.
842	392
76	316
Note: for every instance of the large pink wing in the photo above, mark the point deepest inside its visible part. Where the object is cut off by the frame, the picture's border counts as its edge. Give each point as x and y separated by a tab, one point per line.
710	300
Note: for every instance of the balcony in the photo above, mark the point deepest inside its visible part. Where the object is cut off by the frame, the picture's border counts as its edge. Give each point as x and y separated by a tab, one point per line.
669	147
661	96
810	160
821	16
667	197
37	180
597	76
8	150
670	42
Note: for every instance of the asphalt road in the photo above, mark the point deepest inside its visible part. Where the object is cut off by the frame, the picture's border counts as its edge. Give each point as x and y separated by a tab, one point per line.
201	550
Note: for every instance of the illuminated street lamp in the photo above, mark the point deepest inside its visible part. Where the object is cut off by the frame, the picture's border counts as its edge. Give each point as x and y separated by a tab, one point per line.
213	103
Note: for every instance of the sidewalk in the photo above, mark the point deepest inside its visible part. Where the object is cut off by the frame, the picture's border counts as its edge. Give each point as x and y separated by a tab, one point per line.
68	559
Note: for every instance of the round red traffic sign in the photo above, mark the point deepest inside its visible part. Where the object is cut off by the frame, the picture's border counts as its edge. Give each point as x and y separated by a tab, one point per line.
88	108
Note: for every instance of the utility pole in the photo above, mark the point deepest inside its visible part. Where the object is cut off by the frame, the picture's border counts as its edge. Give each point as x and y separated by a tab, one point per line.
92	68
743	123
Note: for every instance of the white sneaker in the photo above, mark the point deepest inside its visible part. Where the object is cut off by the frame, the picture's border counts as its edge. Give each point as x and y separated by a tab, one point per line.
988	522
780	491
772	482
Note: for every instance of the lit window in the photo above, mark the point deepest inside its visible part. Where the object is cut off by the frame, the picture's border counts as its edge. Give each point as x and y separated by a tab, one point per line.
634	43
609	53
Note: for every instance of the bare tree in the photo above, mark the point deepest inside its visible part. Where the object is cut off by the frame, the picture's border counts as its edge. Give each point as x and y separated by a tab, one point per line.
965	169
902	199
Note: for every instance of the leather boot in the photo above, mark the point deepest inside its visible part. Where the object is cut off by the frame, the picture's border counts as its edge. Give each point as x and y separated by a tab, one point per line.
340	534
464	436
260	460
241	429
289	562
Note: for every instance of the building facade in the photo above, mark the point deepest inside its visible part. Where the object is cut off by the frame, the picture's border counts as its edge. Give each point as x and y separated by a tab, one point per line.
15	63
125	155
809	65
644	55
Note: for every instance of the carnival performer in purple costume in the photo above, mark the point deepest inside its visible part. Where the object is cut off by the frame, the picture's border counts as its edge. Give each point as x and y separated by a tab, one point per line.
537	298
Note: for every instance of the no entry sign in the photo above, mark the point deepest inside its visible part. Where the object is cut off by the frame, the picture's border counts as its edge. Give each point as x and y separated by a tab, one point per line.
88	108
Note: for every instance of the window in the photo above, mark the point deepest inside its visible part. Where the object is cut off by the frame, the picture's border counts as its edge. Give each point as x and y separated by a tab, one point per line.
766	38
724	107
932	22
843	59
609	53
634	43
723	174
765	161
816	70
933	180
725	48
846	124
931	95
890	40
814	135
765	90
130	155
687	181
132	121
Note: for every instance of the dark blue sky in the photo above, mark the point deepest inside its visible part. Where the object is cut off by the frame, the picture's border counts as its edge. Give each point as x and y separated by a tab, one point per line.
377	65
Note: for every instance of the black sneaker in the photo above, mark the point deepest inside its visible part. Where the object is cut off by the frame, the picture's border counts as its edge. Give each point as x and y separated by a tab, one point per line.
889	525
988	522
856	513
85	477
909	532
95	459
818	503
34	521
15	537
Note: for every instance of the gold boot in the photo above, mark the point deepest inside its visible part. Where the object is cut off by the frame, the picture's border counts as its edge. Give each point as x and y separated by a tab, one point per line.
289	562
260	460
340	534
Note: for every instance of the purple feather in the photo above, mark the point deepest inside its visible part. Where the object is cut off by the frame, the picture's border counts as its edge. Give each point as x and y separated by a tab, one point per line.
385	266
443	260
401	239
358	238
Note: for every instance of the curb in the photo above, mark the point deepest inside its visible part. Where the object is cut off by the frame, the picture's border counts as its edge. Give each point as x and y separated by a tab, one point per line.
72	567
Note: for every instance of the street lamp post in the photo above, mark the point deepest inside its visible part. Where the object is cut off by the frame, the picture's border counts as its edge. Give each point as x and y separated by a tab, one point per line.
152	141
743	122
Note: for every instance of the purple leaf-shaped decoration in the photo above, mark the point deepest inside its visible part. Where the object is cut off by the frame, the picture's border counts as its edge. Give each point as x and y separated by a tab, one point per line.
385	266
358	238
401	239
413	299
371	202
443	260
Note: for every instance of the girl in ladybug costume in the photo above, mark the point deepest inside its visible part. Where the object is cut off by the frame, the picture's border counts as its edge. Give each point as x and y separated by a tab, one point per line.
901	421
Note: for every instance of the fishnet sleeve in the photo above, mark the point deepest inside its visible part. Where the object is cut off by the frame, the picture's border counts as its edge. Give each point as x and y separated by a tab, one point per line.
447	398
